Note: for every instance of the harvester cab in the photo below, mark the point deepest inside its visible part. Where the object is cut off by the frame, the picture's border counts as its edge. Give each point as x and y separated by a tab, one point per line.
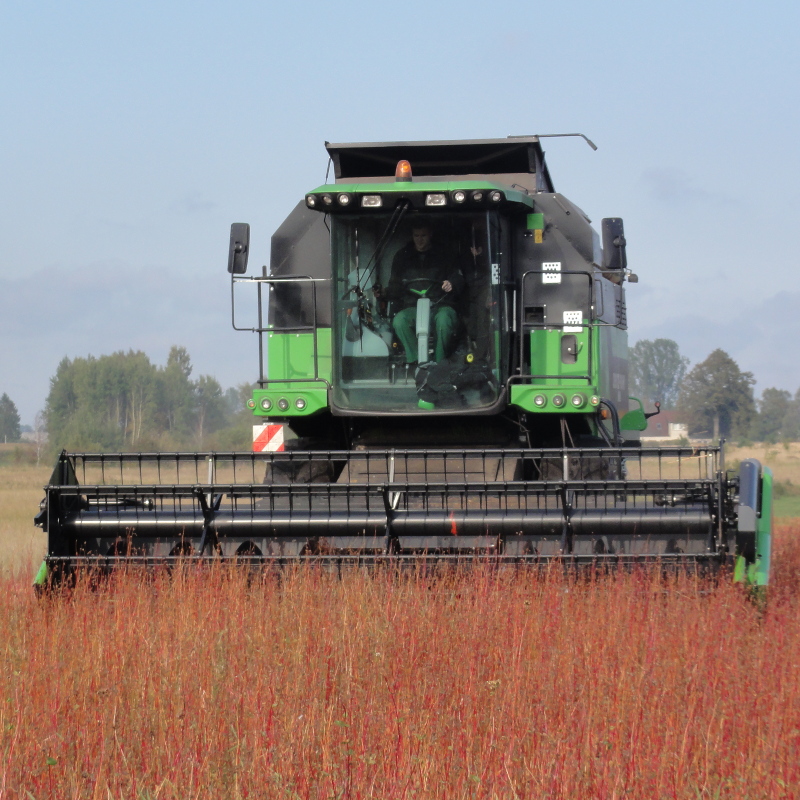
444	279
417	295
442	374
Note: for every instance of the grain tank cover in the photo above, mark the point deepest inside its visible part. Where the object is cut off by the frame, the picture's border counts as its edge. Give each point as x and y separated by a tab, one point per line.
518	159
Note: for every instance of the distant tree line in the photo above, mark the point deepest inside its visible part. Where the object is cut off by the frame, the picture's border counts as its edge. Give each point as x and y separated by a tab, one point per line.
9	420
124	402
715	398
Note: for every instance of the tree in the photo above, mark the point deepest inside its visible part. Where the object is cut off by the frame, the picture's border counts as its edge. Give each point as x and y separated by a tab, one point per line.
39	434
236	399
176	393
716	397
140	392
238	431
9	420
179	359
790	430
210	407
772	410
657	369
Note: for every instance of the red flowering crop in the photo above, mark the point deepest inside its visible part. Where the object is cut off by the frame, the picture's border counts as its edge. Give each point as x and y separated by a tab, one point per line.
473	685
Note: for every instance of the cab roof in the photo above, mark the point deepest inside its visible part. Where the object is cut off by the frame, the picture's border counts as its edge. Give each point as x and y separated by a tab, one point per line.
517	159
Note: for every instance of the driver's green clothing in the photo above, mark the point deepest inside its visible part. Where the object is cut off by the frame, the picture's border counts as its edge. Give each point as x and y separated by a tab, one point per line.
445	327
425	272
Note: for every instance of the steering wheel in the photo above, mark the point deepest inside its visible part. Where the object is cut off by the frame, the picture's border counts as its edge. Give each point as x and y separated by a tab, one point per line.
429	284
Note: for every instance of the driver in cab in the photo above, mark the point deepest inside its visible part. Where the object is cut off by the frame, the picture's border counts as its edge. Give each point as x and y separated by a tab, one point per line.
423	269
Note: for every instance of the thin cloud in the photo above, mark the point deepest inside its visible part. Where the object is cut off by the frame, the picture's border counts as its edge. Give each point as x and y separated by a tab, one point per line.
668	185
194	203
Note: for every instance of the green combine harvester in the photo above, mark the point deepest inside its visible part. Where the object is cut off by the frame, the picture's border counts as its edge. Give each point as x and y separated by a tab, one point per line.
443	375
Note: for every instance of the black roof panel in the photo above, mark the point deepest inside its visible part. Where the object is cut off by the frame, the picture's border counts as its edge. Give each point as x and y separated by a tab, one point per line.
458	157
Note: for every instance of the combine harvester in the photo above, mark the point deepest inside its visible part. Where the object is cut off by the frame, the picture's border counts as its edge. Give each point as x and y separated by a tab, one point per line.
442	375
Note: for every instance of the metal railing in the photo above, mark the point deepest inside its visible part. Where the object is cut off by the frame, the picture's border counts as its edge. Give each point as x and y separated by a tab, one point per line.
266	327
387	465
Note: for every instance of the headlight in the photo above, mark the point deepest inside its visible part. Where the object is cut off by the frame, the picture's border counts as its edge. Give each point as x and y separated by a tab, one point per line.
283	404
558	400
371	201
311	201
266	403
578	400
540	401
327	199
477	196
495	197
459	196
344	199
437	199
300	403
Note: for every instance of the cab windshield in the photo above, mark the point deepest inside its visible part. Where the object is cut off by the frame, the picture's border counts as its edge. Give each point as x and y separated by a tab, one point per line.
416	304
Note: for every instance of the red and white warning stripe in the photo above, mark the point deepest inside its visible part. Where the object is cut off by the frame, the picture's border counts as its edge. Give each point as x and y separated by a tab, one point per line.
267	438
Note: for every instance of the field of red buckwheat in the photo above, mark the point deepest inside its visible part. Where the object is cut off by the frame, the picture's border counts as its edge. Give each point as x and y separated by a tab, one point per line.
474	685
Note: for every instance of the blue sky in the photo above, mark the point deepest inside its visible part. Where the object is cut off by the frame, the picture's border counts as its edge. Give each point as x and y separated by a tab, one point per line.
133	134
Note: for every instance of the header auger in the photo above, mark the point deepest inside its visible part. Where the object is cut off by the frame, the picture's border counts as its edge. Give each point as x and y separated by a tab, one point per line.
443	350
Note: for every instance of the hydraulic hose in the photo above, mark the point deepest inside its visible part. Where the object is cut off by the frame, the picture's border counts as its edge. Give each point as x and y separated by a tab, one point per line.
617	436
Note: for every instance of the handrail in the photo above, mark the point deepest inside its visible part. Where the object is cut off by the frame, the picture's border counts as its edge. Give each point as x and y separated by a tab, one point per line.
312	328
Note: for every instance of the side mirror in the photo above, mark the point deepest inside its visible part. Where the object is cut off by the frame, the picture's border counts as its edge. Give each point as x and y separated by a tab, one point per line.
614	256
239	248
